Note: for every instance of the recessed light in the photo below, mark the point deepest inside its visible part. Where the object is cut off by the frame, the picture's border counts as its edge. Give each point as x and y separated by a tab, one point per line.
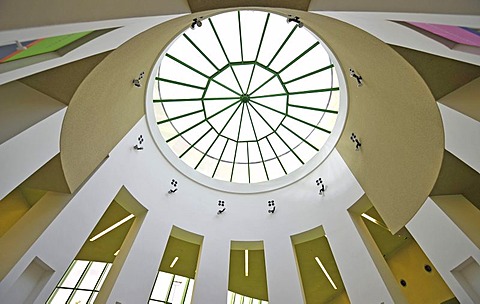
111	227
246	262
325	272
174	262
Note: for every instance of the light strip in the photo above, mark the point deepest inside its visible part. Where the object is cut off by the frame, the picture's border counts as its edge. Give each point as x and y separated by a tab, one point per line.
111	227
373	220
246	262
116	252
325	272
173	262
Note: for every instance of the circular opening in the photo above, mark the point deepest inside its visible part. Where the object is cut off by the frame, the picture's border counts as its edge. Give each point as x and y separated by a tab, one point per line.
247	98
403	283
428	268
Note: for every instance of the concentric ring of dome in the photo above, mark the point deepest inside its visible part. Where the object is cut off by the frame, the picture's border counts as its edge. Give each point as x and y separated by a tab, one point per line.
247	97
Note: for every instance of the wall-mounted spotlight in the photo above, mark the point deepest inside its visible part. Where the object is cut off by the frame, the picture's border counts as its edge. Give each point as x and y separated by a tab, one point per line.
174	186
319	183
221	204
20	46
355	140
136	81
197	22
271	204
295	19
139	146
357	77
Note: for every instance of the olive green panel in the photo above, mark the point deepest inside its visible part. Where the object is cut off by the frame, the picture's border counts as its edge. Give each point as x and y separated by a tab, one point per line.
12	208
205	5
49	177
61	82
387	242
406	261
408	264
187	254
393	114
17	14
442	75
465	100
316	287
255	285
103	248
32	196
456	177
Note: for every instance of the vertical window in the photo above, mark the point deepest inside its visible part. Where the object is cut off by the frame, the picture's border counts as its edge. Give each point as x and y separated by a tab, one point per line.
171	289
80	283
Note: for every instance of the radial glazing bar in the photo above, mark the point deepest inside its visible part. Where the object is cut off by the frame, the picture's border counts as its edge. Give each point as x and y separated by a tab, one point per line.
225	53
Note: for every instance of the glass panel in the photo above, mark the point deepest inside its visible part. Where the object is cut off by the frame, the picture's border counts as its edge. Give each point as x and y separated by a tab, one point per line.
258	76
60	296
80	297
162	286
178	288
94	296
102	279
93	274
74	274
189	294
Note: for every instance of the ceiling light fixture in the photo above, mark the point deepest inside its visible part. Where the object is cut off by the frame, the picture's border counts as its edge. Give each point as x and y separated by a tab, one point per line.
373	220
116	252
174	262
246	262
111	227
325	272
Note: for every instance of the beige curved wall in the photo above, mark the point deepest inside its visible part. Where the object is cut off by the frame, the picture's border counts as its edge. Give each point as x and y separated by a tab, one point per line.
397	165
395	116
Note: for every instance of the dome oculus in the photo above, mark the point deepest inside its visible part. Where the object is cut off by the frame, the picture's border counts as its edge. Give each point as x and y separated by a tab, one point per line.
247	97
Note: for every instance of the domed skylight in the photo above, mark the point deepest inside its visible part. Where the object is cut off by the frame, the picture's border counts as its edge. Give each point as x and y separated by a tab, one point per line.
247	97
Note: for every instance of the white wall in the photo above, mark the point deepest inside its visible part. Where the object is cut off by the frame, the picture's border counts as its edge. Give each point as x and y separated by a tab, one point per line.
462	134
444	243
146	174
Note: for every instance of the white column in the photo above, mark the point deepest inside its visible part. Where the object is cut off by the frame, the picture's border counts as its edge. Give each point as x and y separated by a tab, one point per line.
462	135
61	240
25	153
134	271
445	244
364	271
282	272
211	280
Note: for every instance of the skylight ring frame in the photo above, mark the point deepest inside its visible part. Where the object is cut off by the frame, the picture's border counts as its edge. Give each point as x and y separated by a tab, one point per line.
234	187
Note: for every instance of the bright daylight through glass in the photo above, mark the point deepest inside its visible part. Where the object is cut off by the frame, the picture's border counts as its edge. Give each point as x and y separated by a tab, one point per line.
247	97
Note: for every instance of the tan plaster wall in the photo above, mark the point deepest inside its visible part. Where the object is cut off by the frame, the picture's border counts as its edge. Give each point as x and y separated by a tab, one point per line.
398	122
106	105
442	75
466	7
465	100
15	14
49	177
22	107
61	83
456	177
463	213
206	5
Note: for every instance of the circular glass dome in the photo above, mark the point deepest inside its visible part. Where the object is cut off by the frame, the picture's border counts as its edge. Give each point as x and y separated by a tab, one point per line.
247	97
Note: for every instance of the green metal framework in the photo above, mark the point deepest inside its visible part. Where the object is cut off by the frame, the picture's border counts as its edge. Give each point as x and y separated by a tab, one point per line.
246	102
